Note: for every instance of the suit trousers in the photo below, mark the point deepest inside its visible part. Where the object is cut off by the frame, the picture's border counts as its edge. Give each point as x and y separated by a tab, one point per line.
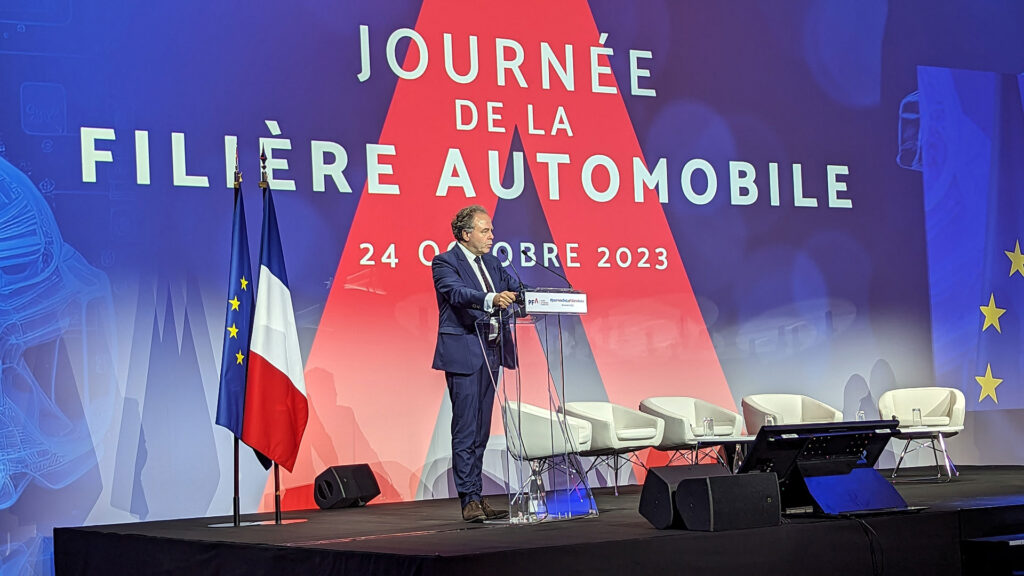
472	397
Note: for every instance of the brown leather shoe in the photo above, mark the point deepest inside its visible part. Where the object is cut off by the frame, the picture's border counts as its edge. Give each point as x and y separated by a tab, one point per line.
472	512
491	513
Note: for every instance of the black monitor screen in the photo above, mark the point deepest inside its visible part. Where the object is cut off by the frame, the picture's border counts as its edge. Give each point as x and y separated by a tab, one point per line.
828	448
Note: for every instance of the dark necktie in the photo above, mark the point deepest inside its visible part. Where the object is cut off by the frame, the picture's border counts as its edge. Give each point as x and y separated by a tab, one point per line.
483	274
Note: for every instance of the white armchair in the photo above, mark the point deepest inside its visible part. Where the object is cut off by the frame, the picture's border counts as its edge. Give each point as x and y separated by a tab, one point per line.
786	409
616	430
684	420
941	416
535	433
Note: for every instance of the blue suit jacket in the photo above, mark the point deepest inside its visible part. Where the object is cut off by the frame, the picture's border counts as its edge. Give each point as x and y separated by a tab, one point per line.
460	302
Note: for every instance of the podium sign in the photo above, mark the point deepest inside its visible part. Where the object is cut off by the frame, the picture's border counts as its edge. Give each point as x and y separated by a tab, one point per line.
556	301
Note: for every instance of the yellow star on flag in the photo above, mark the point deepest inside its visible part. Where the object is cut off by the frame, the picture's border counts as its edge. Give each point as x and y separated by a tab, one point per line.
1016	259
244	282
239	356
234	303
988	384
233	332
992	314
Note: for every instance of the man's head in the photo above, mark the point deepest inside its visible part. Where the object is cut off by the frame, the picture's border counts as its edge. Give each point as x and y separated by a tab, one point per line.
472	228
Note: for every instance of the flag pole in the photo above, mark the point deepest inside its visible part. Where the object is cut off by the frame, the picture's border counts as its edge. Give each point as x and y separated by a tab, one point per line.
277	494
236	501
234	369
235	505
265	185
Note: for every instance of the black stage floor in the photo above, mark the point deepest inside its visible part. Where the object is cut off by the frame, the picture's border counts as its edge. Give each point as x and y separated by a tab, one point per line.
429	537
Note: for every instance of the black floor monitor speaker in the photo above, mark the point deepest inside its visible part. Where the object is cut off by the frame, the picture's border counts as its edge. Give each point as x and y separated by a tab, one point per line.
344	486
657	500
729	502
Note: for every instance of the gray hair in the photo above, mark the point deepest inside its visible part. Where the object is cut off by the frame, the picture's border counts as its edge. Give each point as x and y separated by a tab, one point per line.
465	220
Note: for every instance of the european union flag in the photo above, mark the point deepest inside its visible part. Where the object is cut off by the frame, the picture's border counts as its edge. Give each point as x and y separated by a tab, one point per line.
972	125
237	327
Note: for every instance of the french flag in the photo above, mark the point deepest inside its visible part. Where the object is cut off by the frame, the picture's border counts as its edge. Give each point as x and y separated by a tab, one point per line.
276	409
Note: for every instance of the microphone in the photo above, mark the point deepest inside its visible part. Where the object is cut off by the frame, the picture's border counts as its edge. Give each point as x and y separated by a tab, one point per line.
535	261
514	269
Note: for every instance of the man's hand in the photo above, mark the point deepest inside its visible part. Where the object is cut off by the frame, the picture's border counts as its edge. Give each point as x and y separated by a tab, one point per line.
504	299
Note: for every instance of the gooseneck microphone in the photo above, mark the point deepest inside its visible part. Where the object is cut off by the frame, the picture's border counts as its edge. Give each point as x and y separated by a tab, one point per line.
513	265
535	261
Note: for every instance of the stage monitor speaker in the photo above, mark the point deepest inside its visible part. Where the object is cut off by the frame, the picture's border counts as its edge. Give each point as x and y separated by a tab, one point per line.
657	500
729	502
344	486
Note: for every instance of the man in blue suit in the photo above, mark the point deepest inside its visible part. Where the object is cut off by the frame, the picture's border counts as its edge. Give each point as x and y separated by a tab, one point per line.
473	290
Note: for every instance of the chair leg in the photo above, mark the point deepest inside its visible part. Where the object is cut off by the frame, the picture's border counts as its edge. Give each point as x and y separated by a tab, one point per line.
537	468
900	461
702	454
684	456
718	456
951	470
614	471
575	464
944	471
935	456
585	471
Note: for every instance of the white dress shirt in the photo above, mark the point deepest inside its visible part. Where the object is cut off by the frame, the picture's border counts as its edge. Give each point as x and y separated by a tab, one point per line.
489	299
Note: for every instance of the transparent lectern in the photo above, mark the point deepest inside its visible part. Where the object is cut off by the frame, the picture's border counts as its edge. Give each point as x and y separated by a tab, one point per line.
543	474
